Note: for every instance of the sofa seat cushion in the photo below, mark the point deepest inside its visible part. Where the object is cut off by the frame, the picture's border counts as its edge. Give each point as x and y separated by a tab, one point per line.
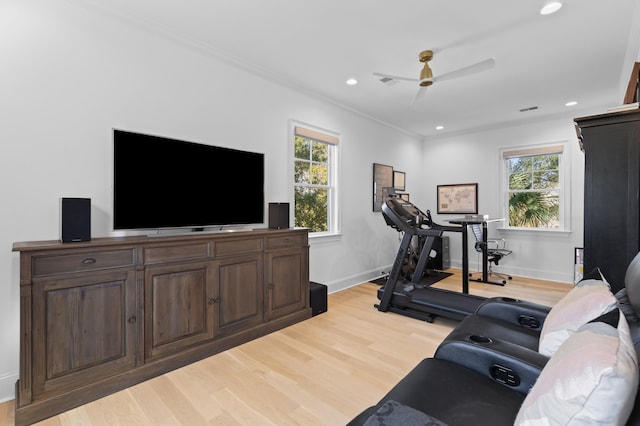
454	395
395	413
586	301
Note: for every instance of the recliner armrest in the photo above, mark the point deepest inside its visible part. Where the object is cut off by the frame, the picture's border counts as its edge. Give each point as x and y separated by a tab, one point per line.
515	311
512	365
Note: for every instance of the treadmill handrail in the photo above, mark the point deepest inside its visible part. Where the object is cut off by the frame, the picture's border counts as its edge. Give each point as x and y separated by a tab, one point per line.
411	224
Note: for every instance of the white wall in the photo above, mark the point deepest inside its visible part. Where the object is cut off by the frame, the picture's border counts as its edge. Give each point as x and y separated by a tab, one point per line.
475	158
69	75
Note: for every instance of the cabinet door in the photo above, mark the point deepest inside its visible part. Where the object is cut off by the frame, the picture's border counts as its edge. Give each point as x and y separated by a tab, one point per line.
287	281
240	290
611	206
179	304
84	329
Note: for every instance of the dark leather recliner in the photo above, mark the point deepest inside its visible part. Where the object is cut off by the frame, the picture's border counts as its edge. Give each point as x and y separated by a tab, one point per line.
477	378
452	394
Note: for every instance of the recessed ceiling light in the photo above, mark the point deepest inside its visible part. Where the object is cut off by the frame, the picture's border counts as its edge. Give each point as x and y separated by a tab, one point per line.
352	82
571	103
439	127
551	7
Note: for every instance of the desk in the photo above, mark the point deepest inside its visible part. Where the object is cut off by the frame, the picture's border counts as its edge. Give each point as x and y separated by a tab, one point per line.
465	222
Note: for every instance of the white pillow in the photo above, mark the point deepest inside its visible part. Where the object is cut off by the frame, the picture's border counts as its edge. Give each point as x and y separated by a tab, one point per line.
585	302
591	379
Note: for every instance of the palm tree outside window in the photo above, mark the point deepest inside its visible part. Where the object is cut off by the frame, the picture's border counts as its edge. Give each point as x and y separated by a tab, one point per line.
535	193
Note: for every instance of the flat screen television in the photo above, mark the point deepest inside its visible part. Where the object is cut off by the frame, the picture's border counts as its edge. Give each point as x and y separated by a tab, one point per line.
160	182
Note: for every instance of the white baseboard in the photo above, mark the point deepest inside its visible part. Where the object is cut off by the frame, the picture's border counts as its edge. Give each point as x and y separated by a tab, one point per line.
524	272
364	277
8	387
354	280
345	283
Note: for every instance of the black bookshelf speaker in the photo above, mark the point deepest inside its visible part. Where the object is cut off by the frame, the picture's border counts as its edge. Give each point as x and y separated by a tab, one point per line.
75	219
278	215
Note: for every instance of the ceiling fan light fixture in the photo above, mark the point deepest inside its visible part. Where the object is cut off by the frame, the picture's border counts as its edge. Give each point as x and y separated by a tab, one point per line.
426	74
550	7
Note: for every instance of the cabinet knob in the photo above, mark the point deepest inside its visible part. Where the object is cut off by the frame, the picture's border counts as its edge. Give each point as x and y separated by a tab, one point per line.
88	261
132	319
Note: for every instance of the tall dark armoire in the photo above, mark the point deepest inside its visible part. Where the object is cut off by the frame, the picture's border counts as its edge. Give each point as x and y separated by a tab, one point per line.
611	145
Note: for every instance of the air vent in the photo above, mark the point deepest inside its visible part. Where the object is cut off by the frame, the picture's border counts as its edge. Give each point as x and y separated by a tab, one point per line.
529	109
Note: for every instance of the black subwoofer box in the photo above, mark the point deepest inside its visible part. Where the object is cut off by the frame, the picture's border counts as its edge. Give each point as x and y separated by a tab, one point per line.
75	219
317	298
278	215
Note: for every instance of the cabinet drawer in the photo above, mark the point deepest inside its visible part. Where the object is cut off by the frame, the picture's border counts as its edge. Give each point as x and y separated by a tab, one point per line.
238	246
178	252
285	241
86	261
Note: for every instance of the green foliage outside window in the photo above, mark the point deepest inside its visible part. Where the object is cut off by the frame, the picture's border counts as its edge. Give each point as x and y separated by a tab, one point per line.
534	199
311	183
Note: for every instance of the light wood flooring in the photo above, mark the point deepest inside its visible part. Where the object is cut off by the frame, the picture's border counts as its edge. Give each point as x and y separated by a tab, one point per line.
323	371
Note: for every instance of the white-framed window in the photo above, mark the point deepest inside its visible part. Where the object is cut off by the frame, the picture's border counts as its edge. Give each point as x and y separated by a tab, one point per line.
315	154
535	182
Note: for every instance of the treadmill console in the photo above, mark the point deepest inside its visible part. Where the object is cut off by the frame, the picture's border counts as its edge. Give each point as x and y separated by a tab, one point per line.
398	210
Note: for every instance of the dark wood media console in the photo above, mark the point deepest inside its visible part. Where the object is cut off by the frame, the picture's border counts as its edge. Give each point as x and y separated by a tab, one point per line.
99	316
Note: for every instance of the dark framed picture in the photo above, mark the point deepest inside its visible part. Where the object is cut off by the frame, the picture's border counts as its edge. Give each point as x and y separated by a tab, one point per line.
458	198
382	180
398	180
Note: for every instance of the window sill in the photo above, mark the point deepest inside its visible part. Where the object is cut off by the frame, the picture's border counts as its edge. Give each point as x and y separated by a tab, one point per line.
533	231
322	238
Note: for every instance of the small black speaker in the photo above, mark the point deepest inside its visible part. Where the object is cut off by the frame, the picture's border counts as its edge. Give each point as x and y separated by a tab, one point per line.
75	219
317	298
278	215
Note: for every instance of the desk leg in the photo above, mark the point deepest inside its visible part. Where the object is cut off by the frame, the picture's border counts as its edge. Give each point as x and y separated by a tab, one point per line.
465	260
485	257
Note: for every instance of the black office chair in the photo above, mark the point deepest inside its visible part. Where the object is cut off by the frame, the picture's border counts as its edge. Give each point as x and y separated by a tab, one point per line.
495	252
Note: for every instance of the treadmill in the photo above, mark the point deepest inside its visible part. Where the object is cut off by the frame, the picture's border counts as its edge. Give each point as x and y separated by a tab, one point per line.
411	298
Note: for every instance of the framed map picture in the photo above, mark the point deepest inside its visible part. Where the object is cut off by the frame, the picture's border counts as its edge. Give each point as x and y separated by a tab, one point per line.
458	199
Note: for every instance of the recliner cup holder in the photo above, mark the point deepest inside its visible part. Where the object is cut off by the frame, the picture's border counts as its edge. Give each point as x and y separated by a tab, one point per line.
479	339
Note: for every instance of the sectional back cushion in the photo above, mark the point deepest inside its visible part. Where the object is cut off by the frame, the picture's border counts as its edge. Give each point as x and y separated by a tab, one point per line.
632	284
586	301
591	379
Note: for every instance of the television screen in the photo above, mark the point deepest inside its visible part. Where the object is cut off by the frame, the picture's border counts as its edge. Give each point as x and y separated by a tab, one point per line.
167	183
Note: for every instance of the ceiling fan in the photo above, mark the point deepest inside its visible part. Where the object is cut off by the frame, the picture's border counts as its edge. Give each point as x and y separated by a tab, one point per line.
426	75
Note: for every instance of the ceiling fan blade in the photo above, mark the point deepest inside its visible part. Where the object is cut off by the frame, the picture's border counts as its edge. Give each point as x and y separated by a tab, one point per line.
468	70
419	94
394	77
